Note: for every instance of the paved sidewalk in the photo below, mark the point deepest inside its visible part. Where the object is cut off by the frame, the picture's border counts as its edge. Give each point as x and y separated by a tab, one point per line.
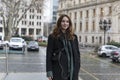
2	75
26	76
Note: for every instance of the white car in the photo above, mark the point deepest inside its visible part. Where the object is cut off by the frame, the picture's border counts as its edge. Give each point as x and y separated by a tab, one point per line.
106	50
17	43
1	44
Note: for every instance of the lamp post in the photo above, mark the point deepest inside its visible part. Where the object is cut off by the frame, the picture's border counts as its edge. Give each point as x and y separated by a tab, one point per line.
105	26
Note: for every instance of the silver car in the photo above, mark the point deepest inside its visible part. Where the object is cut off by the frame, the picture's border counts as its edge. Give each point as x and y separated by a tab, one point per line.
33	45
106	50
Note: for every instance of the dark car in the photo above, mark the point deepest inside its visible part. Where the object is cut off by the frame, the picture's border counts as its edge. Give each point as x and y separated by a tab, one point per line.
1	44
115	56
33	45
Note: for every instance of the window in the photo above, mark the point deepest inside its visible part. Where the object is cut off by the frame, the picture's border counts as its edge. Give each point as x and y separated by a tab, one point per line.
86	26
31	10
0	29
110	10
24	16
38	11
100	39
94	12
92	39
24	22
79	38
101	12
38	31
79	1
80	14
70	15
75	15
80	26
23	31
38	17
87	14
93	26
30	16
75	26
108	38
38	23
32	23
85	38
1	22
31	31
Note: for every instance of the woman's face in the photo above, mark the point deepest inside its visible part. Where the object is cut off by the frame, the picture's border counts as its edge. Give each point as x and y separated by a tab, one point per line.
64	23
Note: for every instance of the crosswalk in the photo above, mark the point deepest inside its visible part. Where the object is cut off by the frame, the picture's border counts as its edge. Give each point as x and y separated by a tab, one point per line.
25	76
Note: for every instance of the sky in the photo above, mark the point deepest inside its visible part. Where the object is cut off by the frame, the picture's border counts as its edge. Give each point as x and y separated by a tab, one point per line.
47	11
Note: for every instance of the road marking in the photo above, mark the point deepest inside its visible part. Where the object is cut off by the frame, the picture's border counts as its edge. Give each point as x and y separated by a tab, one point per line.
93	74
103	61
89	74
2	57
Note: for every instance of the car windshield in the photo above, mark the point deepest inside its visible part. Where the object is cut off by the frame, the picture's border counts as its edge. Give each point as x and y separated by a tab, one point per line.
33	43
15	40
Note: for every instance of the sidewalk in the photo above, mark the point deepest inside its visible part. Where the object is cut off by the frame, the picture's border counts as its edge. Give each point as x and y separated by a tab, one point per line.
25	76
2	75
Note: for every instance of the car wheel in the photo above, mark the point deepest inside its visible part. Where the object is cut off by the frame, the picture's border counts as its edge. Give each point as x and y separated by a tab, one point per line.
113	60
37	49
103	55
28	50
10	48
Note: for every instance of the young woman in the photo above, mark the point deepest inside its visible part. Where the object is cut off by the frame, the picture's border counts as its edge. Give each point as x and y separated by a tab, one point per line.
63	55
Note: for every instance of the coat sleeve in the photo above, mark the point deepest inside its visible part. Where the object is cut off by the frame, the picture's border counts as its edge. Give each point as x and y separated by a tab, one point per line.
78	50
49	51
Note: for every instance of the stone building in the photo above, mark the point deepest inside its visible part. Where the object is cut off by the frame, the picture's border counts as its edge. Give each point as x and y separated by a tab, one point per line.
32	24
86	16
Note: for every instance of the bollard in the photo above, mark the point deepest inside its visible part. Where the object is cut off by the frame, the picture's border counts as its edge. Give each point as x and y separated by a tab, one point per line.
6	55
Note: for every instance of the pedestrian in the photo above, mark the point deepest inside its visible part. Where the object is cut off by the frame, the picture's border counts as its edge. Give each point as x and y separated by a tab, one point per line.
63	55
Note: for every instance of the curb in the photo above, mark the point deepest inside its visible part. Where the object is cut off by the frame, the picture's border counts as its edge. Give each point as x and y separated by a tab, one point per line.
25	76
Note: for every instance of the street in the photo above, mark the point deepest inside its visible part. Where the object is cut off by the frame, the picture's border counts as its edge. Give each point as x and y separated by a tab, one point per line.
92	66
97	68
29	62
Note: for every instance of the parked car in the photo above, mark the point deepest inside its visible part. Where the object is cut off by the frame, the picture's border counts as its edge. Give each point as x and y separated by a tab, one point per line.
42	39
33	45
106	50
1	44
6	43
17	43
115	56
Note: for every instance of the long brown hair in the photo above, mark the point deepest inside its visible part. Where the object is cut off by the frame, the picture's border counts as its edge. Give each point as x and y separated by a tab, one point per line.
57	30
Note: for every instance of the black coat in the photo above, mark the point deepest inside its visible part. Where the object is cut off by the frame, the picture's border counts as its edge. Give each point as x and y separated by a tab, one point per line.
53	65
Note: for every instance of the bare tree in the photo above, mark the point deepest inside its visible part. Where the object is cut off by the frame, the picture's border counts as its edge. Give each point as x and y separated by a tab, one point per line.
13	11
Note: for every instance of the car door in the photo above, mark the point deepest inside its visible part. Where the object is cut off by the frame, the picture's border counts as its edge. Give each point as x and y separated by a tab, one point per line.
108	50
112	48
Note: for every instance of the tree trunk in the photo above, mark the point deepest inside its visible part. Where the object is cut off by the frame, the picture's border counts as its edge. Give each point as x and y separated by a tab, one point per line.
7	32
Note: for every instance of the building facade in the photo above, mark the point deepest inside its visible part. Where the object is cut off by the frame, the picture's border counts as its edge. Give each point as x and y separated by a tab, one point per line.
32	24
86	16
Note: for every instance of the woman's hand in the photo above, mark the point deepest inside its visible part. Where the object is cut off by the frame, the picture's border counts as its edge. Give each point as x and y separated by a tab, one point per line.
50	78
